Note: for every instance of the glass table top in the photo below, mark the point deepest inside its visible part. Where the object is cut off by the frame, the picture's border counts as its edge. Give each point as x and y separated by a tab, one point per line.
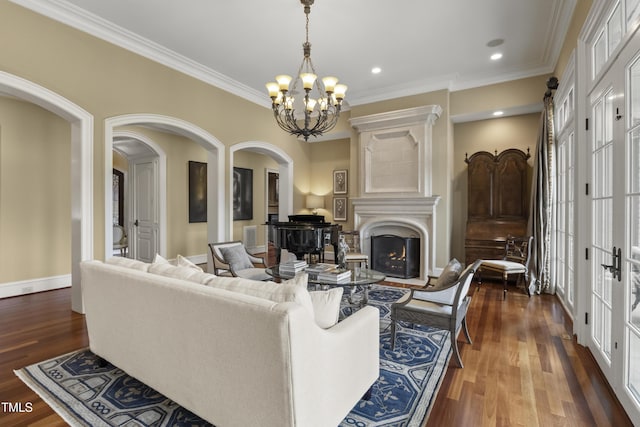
358	276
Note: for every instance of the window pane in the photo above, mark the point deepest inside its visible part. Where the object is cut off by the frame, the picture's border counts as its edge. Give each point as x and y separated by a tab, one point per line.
634	365
634	90
599	54
634	159
615	29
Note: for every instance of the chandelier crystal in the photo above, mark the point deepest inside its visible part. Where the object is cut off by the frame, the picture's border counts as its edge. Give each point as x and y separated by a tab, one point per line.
321	112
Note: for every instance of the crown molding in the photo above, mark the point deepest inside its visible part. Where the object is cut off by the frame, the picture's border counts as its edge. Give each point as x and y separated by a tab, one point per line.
73	16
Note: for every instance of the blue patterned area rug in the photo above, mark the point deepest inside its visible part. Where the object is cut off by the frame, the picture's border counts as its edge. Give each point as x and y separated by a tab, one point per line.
85	390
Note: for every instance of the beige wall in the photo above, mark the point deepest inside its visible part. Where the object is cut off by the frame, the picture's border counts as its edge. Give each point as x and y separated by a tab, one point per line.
258	163
327	157
571	39
35	198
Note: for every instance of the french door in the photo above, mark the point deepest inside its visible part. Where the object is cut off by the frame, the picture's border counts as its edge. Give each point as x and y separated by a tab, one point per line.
614	194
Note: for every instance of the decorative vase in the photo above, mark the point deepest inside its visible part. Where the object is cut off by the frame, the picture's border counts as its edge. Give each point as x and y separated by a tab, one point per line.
343	248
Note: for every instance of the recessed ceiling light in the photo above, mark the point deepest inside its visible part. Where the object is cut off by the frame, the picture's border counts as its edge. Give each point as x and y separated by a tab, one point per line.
498	113
495	42
496	56
376	70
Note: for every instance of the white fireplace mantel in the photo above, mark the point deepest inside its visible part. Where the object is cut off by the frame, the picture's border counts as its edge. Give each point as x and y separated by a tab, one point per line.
416	216
395	196
395	153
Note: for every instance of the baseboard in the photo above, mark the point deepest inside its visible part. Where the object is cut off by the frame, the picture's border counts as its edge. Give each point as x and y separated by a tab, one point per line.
25	287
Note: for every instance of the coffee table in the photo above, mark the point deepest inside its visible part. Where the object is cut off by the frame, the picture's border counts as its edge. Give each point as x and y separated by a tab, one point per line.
364	277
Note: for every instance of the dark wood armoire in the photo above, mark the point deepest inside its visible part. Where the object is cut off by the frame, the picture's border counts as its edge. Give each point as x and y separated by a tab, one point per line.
497	202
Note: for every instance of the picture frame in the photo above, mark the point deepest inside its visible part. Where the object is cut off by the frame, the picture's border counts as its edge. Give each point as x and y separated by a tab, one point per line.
339	208
197	192
242	193
340	181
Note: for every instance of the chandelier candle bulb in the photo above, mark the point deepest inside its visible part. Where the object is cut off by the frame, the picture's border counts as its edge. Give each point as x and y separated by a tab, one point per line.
329	83
340	92
308	79
288	103
283	81
274	89
311	103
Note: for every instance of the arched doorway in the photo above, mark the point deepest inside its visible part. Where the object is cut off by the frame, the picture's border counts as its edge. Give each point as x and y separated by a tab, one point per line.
135	147
285	181
215	160
81	169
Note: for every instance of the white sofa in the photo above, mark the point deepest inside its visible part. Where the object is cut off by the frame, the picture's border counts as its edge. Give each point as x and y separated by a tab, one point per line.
230	357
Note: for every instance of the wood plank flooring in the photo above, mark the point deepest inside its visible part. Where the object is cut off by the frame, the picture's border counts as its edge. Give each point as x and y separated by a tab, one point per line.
523	368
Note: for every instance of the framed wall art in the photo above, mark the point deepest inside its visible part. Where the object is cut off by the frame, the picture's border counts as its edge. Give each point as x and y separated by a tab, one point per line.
339	208
197	192
242	193
340	181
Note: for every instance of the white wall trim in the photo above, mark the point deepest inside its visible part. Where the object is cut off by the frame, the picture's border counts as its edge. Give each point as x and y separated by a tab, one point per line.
25	287
81	169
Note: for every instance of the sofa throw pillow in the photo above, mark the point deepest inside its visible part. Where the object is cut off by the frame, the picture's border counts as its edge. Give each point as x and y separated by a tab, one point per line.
128	263
292	290
326	306
237	257
184	273
449	275
159	259
184	262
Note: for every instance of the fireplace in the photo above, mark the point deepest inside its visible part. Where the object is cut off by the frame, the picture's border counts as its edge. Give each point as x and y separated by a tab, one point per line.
395	195
396	256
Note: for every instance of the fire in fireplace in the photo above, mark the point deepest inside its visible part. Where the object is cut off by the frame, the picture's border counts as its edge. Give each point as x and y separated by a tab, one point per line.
396	256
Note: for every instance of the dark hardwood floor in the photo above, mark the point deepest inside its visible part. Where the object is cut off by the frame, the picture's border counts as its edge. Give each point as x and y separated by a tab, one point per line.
523	367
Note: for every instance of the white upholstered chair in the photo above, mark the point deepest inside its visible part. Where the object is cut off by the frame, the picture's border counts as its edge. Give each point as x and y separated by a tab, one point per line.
233	259
515	261
442	305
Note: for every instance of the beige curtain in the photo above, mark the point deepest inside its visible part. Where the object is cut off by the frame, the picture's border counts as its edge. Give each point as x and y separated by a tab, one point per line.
541	206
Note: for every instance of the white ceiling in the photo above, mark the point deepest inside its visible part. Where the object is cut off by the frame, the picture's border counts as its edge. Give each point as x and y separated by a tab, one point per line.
421	45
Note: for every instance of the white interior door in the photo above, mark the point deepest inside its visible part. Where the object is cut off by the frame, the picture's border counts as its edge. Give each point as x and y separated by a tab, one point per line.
144	219
614	150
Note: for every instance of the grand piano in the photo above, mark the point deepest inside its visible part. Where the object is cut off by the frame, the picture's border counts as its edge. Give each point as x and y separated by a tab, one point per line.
304	234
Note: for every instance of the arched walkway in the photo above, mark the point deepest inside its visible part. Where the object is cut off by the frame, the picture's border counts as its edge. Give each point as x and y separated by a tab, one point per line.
81	168
215	160
285	171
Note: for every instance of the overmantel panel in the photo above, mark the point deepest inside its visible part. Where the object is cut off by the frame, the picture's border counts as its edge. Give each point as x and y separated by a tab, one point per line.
395	152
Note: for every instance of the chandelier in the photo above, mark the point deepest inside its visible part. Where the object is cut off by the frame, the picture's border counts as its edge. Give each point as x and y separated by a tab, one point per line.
320	113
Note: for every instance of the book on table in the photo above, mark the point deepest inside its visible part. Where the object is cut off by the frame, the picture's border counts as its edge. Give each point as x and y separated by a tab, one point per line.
334	276
291	268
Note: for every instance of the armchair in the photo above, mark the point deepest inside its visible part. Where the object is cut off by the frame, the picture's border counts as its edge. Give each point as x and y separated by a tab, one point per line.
442	306
233	259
